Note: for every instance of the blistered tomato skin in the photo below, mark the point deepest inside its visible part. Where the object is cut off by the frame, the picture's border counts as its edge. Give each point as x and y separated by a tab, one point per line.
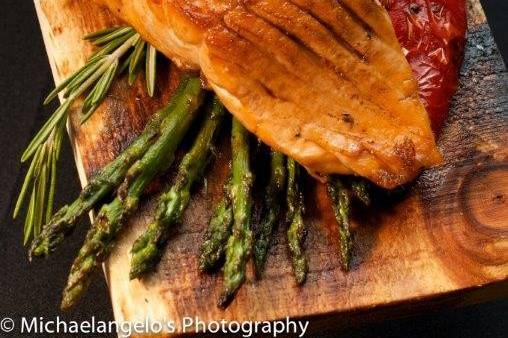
432	35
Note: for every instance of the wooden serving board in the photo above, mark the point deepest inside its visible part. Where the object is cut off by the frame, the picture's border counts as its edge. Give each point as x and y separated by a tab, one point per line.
446	240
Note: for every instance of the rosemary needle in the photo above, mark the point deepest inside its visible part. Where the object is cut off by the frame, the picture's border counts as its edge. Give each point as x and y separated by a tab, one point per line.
97	34
104	39
151	69
135	60
93	79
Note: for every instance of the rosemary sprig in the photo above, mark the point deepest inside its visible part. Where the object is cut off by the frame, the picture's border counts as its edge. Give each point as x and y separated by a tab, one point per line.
42	171
117	45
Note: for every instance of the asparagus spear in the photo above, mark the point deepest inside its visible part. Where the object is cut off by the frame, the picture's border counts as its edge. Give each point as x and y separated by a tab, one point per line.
296	231
360	188
105	181
239	243
146	250
341	208
217	234
112	216
271	210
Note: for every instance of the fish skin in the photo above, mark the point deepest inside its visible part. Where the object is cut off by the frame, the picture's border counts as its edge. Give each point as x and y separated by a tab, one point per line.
323	81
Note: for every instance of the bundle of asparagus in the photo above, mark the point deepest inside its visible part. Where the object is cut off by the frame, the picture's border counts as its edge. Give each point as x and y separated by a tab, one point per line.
146	250
229	239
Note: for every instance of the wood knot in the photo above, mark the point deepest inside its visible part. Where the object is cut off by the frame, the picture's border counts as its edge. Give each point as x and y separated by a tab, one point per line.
468	222
483	199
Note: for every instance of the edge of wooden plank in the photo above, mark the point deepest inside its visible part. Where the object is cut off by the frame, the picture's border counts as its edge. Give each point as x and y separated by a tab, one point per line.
476	14
56	77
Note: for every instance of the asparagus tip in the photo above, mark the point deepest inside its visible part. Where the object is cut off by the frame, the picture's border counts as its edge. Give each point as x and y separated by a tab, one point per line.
301	274
144	259
259	269
346	256
226	298
204	264
134	274
38	249
71	296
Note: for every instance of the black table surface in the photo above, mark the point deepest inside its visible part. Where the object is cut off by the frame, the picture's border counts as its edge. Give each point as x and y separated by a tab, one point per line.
35	289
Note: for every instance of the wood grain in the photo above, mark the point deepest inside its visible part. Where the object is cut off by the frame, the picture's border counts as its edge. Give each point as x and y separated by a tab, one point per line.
445	240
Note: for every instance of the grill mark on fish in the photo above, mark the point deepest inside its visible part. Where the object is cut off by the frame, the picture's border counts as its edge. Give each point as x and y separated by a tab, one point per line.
297	134
361	22
302	45
306	48
341	40
377	84
352	137
369	12
330	65
362	146
377	51
245	35
324	60
391	159
240	65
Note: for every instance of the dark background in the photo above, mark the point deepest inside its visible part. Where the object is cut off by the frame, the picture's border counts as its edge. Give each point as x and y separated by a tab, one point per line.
35	289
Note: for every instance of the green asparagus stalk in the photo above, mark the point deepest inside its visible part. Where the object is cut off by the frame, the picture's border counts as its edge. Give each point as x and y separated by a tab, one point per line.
296	231
112	216
360	188
146	251
104	182
341	208
240	242
270	211
217	233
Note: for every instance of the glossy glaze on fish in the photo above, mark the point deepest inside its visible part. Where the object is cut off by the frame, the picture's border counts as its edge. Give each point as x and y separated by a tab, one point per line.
323	81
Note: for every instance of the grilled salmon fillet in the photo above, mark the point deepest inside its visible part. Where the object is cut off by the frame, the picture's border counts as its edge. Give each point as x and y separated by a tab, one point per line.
323	81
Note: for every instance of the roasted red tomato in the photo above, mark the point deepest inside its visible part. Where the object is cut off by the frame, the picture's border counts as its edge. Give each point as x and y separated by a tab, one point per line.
432	34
